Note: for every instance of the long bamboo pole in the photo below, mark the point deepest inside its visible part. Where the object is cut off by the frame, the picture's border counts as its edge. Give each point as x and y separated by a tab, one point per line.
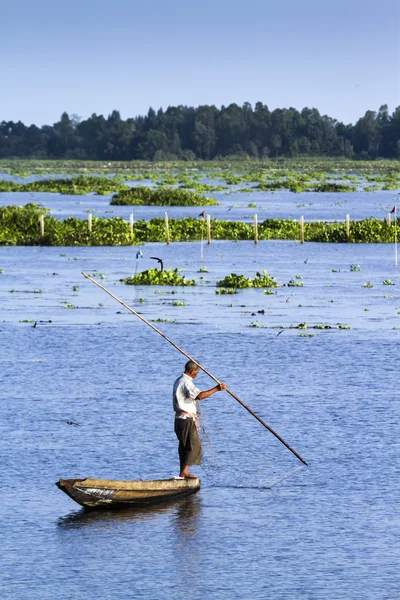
198	364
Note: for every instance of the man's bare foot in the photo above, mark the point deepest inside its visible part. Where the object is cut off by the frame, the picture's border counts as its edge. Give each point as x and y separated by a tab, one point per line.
187	475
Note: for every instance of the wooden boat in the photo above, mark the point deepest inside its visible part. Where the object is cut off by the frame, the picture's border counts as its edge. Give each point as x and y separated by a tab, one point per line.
109	493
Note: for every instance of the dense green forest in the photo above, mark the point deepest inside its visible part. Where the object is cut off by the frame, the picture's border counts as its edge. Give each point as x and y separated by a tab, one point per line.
206	132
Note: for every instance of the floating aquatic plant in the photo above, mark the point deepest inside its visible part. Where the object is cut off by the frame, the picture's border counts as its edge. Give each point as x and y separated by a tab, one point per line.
160	320
318	326
235	281
261	280
256	325
223	291
146	196
74	185
295	283
156	277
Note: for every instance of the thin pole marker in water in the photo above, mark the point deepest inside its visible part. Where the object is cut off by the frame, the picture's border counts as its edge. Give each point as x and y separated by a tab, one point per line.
347	228
198	364
394	210
41	223
166	228
208	229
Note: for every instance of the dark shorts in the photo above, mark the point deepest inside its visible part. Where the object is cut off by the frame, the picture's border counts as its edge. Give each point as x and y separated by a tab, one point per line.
190	450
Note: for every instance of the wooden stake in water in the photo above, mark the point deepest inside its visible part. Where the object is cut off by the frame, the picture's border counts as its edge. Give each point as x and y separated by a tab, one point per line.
131	223
302	229
202	240
394	211
208	229
198	364
347	228
255	229
166	228
388	219
89	222
41	223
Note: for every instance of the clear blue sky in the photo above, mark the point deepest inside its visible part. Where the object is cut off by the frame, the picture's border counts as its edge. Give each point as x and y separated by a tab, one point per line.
339	56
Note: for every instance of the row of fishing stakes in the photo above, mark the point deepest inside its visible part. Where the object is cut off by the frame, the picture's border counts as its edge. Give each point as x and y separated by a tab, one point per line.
197	363
208	221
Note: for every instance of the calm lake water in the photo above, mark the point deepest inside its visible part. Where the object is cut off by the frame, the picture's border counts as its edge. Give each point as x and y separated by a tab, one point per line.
263	525
234	206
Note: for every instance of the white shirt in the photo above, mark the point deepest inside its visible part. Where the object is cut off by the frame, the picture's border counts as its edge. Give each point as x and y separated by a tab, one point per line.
184	395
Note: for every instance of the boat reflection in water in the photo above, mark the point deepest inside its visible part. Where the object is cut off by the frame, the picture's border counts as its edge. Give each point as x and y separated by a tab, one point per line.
184	511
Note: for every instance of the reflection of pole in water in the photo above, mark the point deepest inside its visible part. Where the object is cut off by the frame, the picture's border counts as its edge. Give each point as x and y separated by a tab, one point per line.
187	549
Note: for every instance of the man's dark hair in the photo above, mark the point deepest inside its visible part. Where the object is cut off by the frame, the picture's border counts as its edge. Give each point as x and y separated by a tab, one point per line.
191	366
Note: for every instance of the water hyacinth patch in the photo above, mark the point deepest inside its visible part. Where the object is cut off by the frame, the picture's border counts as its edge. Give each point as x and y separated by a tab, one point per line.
156	277
318	326
295	283
71	186
235	281
146	196
223	291
261	280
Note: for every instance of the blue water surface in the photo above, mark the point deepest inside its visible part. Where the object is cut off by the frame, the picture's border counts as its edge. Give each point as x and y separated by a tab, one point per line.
263	524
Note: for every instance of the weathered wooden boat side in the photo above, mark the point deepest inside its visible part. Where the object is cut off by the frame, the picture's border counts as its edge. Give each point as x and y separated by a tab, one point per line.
108	493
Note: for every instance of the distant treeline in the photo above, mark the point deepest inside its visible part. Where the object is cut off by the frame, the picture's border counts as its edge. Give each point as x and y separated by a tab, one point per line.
206	132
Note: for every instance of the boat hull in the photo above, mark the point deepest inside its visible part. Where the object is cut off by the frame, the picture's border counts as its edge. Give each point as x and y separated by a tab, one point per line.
109	493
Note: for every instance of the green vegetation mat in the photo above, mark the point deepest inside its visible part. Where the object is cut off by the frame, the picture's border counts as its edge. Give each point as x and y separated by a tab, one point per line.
20	226
161	197
201	178
232	168
156	277
261	280
74	185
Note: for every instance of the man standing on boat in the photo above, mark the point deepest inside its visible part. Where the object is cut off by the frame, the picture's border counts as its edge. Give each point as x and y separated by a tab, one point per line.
184	397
